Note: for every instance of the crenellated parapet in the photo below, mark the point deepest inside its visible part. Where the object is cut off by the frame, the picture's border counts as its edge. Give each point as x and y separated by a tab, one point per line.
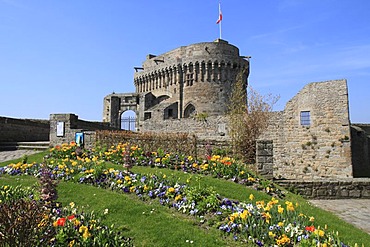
214	62
194	72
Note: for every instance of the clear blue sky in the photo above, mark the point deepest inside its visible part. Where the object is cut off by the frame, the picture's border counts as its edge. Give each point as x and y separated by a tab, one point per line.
64	56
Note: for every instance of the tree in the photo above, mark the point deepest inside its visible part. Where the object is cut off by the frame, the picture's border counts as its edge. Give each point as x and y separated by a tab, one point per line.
249	116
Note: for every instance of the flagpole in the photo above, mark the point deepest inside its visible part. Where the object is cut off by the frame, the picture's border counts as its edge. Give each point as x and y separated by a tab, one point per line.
220	14
220	30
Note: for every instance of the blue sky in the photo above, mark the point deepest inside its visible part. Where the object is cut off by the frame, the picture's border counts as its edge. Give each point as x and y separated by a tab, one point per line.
65	56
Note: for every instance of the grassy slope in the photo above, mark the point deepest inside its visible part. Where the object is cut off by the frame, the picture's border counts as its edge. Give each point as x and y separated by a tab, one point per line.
163	225
159	228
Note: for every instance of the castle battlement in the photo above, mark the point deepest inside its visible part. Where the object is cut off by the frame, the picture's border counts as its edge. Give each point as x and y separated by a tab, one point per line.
217	62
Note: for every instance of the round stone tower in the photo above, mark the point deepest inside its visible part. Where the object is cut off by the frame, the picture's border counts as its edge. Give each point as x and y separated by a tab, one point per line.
189	80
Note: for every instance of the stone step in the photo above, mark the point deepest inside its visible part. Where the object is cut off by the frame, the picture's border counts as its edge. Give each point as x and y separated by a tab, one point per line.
34	145
38	143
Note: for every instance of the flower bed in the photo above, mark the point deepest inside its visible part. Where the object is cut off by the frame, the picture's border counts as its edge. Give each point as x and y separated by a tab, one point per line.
272	223
37	224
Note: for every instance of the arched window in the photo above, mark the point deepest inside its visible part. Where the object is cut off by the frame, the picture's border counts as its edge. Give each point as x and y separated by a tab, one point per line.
189	111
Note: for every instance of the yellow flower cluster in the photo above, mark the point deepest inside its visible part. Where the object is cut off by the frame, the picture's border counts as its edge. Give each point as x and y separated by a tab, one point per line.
224	160
319	232
171	190
289	206
89	171
21	166
204	167
282	240
85	231
134	148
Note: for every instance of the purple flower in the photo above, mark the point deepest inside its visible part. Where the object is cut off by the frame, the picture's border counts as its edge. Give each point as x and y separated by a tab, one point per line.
259	243
150	194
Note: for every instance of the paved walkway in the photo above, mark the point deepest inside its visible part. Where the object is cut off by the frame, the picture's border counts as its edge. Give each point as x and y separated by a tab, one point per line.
354	211
16	154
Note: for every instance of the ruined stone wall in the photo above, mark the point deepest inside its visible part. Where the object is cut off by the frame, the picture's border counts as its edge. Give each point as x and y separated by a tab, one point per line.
18	130
319	148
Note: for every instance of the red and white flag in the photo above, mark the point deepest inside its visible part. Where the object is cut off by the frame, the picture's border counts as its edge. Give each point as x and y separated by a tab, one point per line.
219	14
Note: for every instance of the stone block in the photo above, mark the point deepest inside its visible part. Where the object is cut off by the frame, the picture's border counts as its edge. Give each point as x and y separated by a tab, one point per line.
355	193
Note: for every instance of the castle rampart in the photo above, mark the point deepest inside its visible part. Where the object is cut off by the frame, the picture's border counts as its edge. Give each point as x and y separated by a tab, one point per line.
20	130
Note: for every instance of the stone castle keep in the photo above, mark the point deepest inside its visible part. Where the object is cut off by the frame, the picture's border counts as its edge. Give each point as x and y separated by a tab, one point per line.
174	88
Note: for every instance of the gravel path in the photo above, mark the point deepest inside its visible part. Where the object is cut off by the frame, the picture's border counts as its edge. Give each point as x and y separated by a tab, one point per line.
11	155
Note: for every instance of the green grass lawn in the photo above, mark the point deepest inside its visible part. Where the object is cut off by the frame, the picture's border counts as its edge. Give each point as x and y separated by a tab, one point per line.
151	224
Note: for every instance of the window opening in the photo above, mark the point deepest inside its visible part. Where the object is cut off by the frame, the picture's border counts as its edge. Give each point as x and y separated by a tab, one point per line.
170	113
305	118
147	115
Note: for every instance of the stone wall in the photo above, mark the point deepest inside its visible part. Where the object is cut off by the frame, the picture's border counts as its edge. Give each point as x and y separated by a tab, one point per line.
205	128
311	137
331	189
69	125
20	130
264	154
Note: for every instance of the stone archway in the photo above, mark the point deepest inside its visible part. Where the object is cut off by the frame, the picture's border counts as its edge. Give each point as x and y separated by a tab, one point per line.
128	120
116	104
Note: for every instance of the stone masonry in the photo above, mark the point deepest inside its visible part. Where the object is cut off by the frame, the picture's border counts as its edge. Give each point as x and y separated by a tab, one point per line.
311	137
73	125
184	90
20	130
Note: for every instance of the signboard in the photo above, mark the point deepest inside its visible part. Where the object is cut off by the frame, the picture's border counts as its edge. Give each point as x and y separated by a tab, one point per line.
79	138
60	129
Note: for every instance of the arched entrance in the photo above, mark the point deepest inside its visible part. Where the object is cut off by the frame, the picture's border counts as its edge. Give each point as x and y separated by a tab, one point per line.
128	120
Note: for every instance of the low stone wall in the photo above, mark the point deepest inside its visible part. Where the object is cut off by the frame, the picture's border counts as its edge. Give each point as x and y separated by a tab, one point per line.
21	130
344	189
207	128
63	129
